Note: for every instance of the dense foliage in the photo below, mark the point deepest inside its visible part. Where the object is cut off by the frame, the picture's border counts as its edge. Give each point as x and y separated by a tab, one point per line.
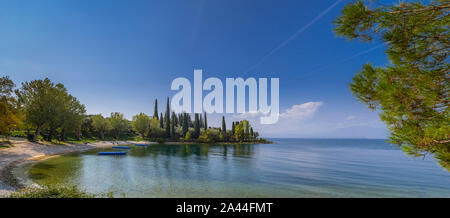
49	106
412	93
10	116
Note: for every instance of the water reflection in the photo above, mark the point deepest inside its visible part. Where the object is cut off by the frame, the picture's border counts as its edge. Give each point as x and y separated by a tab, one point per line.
186	150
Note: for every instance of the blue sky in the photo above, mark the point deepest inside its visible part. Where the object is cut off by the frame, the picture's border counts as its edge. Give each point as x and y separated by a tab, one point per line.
121	55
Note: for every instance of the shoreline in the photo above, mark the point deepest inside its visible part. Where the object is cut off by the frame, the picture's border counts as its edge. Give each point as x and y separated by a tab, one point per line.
217	143
23	152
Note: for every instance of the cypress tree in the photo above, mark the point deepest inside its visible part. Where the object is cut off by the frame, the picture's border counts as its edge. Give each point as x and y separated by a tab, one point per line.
246	129
224	128
206	122
252	135
155	114
201	121
233	128
174	119
185	124
190	124
196	125
167	119
161	121
172	126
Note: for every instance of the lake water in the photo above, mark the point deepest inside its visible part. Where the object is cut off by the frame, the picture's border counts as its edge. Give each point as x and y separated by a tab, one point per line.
288	168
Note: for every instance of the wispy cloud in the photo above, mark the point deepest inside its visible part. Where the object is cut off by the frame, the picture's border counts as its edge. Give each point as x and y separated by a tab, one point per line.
295	112
303	75
301	111
293	36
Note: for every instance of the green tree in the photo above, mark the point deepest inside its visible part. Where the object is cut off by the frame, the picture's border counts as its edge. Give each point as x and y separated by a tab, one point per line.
173	124
224	127
188	136
233	129
210	136
246	130
141	124
101	125
56	108
196	126
174	119
34	98
48	105
118	124
167	119
161	121
155	113
71	117
45	103
412	93
256	135
180	119
223	131
206	122
87	129
239	131
155	128
9	113
185	124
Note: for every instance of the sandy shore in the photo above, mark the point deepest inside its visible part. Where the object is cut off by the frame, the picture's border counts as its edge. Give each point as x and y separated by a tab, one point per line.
23	150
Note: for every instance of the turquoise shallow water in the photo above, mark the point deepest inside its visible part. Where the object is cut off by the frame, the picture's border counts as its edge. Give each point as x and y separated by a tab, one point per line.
288	168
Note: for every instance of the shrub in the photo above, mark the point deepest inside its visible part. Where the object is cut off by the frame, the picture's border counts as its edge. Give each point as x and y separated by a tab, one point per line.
30	137
161	140
209	136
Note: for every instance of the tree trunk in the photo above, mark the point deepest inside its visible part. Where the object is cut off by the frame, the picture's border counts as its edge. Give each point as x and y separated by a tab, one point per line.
51	133
102	135
63	135
117	135
79	133
36	133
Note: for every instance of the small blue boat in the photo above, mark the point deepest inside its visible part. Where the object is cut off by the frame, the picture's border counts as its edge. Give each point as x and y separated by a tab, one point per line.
113	153
140	144
121	147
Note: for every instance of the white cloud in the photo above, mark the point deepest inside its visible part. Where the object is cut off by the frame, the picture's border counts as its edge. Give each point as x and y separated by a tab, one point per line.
301	111
296	112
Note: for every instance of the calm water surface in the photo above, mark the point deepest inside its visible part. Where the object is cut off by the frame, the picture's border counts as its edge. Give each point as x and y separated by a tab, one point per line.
288	168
